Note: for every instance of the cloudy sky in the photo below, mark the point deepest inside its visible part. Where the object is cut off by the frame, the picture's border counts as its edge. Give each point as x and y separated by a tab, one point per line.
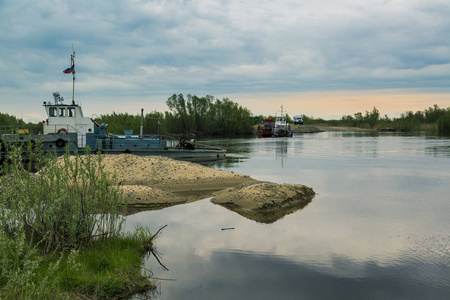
323	58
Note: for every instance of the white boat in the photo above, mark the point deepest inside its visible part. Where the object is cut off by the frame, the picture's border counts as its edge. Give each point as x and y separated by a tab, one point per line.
67	127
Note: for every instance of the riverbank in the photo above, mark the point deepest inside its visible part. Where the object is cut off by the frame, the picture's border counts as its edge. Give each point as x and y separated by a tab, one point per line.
154	182
342	128
322	127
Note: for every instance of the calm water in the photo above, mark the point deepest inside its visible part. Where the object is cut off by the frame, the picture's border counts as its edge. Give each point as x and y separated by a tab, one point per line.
378	228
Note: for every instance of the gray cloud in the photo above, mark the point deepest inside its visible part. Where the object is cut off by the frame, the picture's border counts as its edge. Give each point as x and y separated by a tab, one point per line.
160	47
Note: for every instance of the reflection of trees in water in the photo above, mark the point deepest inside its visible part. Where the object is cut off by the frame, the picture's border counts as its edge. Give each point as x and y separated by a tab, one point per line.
438	151
238	150
228	162
363	143
243	148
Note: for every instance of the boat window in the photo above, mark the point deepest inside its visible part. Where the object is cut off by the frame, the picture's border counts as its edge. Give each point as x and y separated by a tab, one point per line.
52	111
62	112
71	111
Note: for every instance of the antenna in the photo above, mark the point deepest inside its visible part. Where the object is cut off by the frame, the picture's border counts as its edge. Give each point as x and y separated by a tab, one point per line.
72	58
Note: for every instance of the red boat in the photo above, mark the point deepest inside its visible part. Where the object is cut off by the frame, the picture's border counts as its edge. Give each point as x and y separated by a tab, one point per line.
266	130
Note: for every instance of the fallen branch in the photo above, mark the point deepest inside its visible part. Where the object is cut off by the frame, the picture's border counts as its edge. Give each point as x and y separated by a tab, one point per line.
158	256
157	233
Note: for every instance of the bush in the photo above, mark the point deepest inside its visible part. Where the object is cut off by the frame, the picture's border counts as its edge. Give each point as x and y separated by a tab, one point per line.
444	123
69	204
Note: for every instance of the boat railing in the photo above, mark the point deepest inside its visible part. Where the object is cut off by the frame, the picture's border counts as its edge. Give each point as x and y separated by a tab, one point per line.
34	129
170	141
173	142
19	129
68	127
131	140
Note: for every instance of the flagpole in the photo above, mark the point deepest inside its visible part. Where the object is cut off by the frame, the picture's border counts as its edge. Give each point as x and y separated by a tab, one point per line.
73	74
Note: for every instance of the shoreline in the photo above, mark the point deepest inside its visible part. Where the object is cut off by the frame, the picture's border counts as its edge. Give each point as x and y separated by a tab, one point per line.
155	182
164	195
322	128
148	182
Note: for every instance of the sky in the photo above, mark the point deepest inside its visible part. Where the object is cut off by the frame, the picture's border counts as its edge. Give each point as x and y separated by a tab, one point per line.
323	58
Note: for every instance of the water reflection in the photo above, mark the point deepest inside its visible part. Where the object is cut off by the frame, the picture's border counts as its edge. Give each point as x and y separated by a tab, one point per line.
296	259
438	151
372	144
273	277
378	227
438	147
231	161
281	148
269	216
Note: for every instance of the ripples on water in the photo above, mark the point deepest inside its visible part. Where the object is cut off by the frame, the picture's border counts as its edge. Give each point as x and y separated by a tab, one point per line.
378	227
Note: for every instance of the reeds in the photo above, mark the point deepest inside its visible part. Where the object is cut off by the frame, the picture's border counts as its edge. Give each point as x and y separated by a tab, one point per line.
53	221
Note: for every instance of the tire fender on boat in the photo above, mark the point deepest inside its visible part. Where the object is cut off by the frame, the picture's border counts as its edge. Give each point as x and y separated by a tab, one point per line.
60	143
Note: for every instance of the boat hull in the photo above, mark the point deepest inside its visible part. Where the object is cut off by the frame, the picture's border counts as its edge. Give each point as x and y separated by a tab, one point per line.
196	155
60	144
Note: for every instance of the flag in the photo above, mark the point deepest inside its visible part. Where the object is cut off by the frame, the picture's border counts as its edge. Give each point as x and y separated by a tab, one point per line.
68	70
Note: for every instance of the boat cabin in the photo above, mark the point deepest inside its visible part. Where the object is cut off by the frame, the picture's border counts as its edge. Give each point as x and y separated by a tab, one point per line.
282	128
280	122
65	119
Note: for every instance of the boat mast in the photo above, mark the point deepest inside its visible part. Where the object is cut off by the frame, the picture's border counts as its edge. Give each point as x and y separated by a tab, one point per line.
72	59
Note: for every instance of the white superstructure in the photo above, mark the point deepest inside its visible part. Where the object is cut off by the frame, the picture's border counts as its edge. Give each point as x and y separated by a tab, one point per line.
65	119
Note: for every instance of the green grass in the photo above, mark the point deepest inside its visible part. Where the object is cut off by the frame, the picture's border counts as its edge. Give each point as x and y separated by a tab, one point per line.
106	269
61	234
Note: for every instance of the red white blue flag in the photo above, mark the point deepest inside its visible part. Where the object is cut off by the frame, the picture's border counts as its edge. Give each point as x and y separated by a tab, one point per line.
68	70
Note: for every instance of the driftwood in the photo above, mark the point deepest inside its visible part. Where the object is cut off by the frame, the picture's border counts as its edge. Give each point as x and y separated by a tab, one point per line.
148	248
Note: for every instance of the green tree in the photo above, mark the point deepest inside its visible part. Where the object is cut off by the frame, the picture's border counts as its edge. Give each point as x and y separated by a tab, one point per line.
178	106
371	118
117	123
207	115
444	123
154	123
432	114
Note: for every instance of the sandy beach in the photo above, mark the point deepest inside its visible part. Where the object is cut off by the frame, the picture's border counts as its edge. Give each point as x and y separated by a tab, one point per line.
151	182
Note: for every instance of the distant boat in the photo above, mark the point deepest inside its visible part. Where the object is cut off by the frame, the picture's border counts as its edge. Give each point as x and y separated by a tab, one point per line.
279	128
266	129
66	126
282	128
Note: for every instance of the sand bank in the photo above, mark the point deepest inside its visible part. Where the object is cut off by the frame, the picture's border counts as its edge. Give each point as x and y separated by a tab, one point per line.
152	182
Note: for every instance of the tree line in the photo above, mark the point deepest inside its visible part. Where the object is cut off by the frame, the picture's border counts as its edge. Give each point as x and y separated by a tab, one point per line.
186	116
10	124
211	116
207	115
432	119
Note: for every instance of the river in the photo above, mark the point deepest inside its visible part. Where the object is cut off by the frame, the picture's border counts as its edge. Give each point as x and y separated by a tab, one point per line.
378	227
